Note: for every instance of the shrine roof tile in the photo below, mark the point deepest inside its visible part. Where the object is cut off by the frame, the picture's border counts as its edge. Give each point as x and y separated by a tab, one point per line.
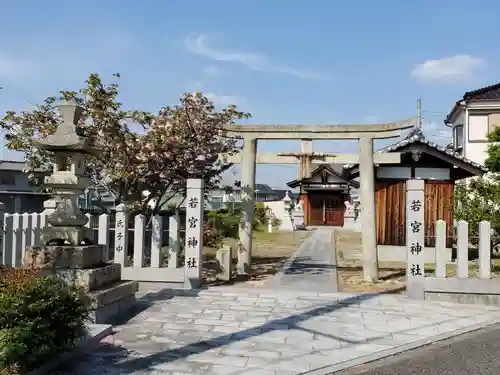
418	137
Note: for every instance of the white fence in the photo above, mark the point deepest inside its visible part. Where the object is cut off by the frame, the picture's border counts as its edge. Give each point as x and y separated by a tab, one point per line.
462	282
470	282
147	252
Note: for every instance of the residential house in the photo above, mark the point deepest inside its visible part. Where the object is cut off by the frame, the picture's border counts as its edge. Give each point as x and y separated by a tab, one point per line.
19	195
472	118
16	191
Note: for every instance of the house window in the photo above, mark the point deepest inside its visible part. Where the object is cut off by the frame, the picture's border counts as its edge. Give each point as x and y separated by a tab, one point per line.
493	121
478	127
7	178
216	202
458	136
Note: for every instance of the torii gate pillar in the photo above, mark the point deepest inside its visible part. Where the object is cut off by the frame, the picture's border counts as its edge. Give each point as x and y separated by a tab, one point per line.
248	166
368	218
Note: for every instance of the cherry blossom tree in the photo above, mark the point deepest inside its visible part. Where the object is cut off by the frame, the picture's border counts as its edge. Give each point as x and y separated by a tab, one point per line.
176	143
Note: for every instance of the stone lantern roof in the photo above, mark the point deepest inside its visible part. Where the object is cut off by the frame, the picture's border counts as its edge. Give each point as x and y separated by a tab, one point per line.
66	137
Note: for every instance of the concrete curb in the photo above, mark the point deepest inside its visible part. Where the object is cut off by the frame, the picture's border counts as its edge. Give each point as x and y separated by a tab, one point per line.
330	369
96	333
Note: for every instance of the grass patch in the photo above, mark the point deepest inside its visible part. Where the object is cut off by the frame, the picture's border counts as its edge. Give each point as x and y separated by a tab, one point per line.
264	244
269	252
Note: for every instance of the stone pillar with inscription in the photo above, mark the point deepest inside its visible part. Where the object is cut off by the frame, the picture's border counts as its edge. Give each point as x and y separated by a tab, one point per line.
66	250
415	238
193	249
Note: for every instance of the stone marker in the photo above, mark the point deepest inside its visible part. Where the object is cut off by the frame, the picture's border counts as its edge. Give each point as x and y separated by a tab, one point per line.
415	238
224	258
121	235
195	206
66	250
462	262
173	239
484	250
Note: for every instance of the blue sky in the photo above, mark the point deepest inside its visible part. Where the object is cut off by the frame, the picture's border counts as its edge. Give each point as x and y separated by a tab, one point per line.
326	62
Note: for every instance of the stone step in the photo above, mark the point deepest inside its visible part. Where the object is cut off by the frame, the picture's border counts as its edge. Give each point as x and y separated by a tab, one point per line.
113	293
90	279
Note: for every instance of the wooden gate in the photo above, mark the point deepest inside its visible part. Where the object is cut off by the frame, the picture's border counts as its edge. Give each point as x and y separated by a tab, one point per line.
326	209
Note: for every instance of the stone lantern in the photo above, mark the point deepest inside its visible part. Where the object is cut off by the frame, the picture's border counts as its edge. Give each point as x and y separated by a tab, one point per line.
68	180
286	222
66	250
287	202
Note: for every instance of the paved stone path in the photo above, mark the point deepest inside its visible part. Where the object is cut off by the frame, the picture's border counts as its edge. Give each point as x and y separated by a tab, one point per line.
312	268
224	330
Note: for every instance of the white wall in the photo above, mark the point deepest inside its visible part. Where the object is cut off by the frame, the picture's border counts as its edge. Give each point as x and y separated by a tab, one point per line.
476	148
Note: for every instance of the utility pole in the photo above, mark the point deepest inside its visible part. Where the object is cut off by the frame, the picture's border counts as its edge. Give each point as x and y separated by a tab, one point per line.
419	114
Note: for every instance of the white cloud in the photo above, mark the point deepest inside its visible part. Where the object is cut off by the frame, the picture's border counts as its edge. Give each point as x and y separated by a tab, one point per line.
15	68
225	100
448	68
200	45
211	70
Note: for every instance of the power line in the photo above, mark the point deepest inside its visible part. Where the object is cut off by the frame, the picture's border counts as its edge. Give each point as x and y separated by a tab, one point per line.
434	112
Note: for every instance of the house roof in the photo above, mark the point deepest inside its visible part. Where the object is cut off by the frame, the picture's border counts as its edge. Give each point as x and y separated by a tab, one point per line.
264	188
14	165
491	92
417	137
334	169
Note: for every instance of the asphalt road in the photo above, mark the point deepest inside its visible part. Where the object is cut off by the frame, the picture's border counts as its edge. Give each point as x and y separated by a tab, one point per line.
476	353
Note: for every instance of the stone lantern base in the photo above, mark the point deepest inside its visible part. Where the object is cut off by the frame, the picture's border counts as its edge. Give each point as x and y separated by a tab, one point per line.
87	266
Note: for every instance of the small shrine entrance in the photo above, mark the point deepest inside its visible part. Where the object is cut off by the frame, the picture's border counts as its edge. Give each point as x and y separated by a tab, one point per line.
323	193
327	209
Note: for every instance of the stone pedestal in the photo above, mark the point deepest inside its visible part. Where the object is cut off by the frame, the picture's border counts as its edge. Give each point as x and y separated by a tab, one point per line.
352	221
286	223
298	220
86	266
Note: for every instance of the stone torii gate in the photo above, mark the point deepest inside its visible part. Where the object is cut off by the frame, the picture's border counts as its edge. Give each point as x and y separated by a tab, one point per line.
367	160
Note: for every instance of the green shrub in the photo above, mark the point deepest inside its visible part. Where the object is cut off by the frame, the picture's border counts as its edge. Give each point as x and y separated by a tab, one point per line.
225	222
40	317
260	215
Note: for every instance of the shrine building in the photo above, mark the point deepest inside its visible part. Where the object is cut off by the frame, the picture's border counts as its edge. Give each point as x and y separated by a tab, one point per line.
440	167
323	194
330	185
